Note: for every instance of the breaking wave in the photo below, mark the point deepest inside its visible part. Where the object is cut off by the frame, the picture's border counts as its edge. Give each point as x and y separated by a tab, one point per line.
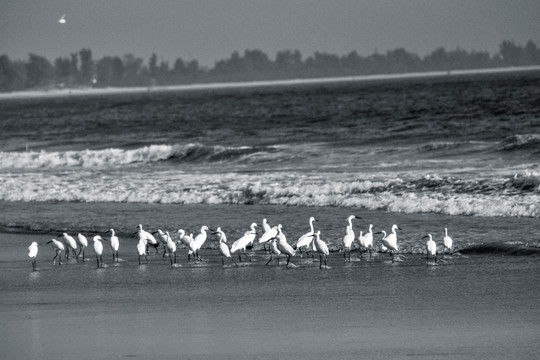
195	152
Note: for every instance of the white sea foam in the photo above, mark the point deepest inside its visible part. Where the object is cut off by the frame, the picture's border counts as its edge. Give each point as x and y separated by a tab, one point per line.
269	188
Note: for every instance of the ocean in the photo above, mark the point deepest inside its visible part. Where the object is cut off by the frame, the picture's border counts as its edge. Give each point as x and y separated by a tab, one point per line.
460	152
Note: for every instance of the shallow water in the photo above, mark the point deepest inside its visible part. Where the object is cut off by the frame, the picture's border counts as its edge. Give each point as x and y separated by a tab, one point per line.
474	305
462	307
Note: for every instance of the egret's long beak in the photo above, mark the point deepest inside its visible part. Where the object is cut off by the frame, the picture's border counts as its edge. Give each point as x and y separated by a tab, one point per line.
379	232
423	237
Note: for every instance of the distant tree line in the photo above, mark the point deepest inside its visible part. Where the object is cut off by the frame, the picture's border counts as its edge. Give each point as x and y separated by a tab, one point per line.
80	69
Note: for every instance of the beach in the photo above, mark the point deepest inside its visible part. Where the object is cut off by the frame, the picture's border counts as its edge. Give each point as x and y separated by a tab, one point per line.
425	153
474	306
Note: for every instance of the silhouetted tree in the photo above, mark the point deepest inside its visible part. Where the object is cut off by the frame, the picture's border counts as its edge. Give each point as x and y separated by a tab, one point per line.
39	71
87	67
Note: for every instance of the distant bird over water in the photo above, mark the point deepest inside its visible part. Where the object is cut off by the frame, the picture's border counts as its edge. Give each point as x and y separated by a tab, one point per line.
62	19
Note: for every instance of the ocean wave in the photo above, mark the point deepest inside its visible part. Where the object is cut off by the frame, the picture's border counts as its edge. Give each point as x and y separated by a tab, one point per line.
528	142
504	249
426	195
194	152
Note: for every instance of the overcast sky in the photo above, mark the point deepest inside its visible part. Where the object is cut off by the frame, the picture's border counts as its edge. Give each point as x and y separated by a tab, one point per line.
210	30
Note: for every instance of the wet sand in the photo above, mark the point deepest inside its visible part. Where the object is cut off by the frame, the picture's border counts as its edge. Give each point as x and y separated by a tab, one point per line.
466	307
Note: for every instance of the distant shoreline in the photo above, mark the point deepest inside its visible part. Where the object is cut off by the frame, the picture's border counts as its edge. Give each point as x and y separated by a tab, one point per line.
206	86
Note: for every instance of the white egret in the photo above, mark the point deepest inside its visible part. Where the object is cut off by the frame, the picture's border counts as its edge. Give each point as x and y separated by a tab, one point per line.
141	250
244	241
274	250
162	239
32	254
58	246
115	244
70	244
366	241
223	248
383	248
390	241
62	19
322	249
184	239
150	239
83	243
196	244
349	236
306	239
268	234
266	227
431	247
171	248
447	242
283	245
98	250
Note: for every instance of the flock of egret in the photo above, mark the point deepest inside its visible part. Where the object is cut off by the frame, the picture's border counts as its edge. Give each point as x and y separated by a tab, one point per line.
273	236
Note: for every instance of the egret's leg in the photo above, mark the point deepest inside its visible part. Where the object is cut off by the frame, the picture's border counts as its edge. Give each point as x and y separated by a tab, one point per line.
269	260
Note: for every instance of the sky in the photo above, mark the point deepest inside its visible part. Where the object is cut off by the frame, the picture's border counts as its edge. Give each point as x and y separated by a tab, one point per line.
210	30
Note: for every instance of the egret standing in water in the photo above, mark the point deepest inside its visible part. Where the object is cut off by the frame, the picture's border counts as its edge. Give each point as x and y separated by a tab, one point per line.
141	250
322	249
349	236
62	19
58	246
366	241
390	241
198	242
83	243
447	242
274	250
268	235
32	254
163	239
98	250
115	245
306	240
283	245
70	243
431	248
223	248
266	228
244	241
150	239
171	248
